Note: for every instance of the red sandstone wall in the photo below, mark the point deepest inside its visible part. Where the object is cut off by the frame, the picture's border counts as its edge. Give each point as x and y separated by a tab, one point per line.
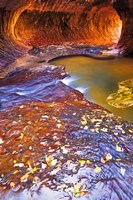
90	22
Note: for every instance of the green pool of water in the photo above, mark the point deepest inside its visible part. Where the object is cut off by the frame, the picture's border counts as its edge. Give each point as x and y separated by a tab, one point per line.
97	79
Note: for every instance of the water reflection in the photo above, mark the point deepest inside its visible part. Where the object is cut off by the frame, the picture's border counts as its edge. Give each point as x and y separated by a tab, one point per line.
98	78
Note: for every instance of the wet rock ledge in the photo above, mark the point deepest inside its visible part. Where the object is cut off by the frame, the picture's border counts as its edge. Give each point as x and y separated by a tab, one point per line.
61	146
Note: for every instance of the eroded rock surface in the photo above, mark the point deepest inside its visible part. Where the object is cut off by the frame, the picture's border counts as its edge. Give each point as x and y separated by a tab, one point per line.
63	146
25	24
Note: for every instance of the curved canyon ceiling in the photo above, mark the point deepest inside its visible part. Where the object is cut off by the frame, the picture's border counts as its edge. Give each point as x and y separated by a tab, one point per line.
25	24
100	26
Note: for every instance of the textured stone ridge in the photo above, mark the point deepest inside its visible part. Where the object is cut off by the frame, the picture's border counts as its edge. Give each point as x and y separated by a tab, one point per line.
62	146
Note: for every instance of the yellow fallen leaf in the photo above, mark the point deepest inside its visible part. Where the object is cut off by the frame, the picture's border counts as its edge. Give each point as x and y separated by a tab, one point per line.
84	122
24	177
88	162
97	169
104	129
29	122
12	184
21	135
108	157
15	172
118	148
82	162
36	180
14	152
51	161
118	159
29	163
32	170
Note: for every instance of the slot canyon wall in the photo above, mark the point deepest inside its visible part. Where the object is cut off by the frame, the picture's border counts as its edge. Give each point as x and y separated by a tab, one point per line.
38	23
54	144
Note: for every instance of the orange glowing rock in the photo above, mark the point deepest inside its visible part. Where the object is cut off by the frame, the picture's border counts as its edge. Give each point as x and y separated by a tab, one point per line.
100	26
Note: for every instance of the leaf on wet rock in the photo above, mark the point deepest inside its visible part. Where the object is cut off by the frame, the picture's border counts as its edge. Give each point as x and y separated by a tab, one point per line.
14	152
30	147
15	172
98	169
1	141
32	170
118	148
51	161
79	190
118	159
21	135
45	116
82	162
123	170
108	157
12	184
24	178
55	171
29	122
131	130
64	150
44	166
59	125
36	180
84	122
103	160
18	164
88	162
22	106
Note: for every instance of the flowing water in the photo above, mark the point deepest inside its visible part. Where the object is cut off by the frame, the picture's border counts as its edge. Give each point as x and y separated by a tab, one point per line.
97	79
